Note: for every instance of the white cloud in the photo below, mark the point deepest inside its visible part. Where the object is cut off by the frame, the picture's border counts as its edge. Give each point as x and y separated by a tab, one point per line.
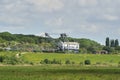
110	17
13	20
11	28
85	3
71	16
90	28
118	31
55	22
46	5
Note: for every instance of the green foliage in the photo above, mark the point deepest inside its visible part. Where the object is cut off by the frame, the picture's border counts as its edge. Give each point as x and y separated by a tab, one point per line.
109	49
77	58
81	63
47	61
116	43
67	62
2	58
87	62
22	42
112	46
12	60
88	46
112	43
107	42
60	72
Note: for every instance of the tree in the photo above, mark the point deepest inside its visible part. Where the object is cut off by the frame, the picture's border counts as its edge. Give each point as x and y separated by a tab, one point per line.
116	43
112	43
107	42
87	62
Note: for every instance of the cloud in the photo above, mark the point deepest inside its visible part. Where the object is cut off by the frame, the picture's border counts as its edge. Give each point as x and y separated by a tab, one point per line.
55	22
88	28
46	5
38	5
71	16
85	3
110	17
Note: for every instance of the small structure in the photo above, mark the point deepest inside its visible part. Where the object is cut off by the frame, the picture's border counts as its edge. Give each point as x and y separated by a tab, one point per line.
74	46
101	52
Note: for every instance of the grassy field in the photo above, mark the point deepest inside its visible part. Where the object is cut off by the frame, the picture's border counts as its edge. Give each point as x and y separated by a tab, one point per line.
104	59
50	72
103	67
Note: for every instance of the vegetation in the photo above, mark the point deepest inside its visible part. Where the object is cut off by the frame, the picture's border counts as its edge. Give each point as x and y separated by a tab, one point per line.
49	72
112	46
24	51
20	42
87	62
21	58
102	59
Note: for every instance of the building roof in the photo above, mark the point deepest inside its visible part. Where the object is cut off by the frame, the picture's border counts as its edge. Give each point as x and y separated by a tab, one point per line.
70	43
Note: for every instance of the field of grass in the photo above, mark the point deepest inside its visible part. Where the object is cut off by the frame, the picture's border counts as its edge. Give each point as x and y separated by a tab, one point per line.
50	72
102	59
103	67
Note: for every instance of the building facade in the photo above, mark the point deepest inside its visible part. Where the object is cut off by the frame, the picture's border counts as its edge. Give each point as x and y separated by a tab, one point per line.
69	46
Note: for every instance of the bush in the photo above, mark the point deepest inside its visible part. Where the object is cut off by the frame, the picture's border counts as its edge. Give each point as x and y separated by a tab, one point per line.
73	62
119	62
81	63
46	61
12	60
67	62
2	58
87	62
55	61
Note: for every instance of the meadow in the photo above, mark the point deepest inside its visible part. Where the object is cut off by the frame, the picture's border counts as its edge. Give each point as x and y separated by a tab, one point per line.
96	59
52	72
102	67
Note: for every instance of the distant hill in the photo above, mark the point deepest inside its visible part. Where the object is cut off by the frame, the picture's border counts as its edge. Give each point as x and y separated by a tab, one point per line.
14	40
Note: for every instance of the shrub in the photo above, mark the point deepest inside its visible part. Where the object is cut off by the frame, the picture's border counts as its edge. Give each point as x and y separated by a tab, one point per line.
119	62
1	58
31	63
67	62
73	62
55	61
87	62
46	61
12	60
81	63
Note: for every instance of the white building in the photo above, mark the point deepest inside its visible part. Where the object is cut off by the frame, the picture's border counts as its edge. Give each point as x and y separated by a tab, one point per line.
69	46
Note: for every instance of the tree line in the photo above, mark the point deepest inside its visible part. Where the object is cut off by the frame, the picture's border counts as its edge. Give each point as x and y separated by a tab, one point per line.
112	45
21	42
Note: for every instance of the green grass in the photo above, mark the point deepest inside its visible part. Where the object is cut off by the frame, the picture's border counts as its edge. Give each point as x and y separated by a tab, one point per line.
50	72
62	72
77	58
8	53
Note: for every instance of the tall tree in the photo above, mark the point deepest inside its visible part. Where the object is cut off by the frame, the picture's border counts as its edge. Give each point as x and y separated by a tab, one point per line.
112	43
107	42
116	43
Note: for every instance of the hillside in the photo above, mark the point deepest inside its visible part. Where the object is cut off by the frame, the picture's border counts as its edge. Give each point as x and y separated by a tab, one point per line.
31	42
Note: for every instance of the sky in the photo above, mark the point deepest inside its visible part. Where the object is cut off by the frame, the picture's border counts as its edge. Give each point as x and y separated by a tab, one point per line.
92	19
